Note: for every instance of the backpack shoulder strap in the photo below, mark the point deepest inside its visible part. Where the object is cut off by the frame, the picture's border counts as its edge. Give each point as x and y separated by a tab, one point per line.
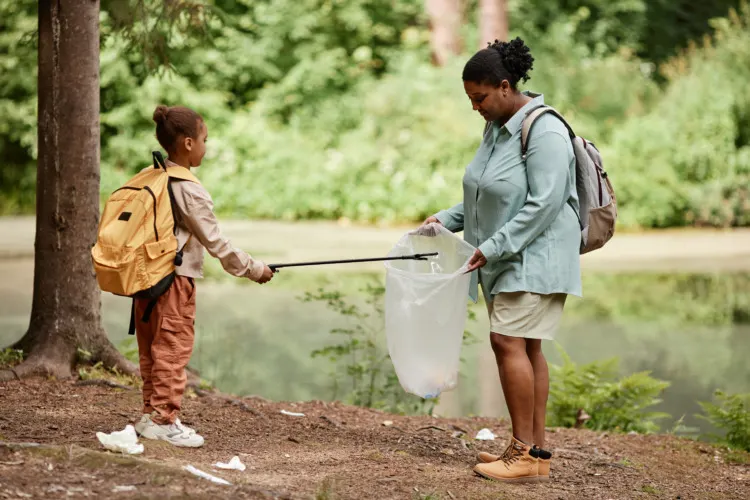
531	118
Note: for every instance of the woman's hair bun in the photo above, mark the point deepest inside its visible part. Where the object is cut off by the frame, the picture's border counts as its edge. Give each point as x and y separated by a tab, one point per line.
160	114
516	58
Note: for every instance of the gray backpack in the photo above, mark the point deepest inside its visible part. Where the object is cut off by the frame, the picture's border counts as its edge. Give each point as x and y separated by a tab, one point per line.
596	196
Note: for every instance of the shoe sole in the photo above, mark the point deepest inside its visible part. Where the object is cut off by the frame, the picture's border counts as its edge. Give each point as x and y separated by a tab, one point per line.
182	445
516	480
146	435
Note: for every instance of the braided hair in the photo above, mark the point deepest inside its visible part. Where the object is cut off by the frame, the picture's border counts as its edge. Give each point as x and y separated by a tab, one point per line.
500	61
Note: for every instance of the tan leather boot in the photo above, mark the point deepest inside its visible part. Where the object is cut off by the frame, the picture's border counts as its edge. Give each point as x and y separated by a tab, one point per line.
515	465
545	459
544	456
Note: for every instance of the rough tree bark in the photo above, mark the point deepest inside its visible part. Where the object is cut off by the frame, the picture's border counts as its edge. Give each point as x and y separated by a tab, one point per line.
445	24
65	313
493	21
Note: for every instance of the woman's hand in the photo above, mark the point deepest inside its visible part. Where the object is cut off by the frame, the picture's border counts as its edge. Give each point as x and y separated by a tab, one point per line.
477	260
430	220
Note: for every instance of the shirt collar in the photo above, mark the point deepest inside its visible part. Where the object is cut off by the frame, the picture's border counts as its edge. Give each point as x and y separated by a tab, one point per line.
514	124
170	163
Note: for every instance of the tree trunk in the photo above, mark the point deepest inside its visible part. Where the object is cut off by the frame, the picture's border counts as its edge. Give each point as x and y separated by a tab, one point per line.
493	21
65	312
445	23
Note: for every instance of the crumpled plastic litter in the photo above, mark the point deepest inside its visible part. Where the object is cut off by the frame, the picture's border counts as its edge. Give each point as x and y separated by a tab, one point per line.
292	414
206	475
124	441
123	488
485	435
234	464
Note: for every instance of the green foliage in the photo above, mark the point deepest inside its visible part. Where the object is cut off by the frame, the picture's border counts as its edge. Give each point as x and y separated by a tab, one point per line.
99	372
731	414
321	109
362	372
612	402
129	349
10	357
687	161
656	29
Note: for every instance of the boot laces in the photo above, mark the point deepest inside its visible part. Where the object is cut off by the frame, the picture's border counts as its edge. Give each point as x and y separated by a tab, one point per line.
511	454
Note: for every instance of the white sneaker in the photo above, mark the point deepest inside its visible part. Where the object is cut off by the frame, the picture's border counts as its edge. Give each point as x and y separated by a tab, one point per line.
185	428
146	422
177	435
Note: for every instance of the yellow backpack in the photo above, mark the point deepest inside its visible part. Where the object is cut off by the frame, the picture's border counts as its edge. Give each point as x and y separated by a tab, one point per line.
135	254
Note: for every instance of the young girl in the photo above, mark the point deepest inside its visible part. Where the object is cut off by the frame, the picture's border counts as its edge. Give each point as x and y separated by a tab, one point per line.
165	342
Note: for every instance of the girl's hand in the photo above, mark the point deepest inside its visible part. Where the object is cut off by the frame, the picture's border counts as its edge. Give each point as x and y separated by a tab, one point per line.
477	260
266	276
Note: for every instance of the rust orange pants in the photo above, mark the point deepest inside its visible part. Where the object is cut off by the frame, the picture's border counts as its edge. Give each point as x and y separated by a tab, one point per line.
165	344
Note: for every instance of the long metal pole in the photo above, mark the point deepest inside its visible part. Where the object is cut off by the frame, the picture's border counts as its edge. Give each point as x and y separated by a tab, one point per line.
417	256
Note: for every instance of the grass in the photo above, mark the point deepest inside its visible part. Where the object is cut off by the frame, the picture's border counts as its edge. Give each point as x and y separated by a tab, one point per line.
325	490
10	357
99	372
738	457
646	488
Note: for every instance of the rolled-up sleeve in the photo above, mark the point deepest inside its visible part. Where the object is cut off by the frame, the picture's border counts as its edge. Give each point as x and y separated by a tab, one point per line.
201	222
547	171
453	218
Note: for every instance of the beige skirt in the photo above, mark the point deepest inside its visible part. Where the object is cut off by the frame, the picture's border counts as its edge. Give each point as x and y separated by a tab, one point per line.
526	314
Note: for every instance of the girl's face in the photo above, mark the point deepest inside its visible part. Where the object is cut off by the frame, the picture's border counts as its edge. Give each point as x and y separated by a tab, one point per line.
195	147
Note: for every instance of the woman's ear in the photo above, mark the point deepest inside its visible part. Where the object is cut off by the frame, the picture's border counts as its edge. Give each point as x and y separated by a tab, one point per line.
505	87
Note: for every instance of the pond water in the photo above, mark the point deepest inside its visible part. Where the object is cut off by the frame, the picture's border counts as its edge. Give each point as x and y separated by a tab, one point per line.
692	330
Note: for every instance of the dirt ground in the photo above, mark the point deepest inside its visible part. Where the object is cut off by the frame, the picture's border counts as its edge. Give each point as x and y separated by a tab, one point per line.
334	451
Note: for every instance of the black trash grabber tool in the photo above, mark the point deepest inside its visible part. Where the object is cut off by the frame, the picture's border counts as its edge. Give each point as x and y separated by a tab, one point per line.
416	256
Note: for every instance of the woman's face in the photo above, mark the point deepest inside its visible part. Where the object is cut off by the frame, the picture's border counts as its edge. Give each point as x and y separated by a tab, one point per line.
493	103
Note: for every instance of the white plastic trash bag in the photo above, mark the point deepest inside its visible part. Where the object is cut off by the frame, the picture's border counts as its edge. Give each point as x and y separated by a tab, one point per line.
425	309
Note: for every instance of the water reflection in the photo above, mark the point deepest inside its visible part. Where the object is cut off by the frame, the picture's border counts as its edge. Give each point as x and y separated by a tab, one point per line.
692	330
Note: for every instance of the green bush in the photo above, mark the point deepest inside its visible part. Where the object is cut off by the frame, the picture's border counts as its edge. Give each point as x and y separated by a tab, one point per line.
326	110
10	357
731	414
611	402
687	161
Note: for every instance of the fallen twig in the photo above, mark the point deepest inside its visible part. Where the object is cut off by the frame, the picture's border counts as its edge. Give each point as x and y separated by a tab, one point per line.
458	428
451	495
19	462
293	440
330	420
431	427
106	383
7	444
246	407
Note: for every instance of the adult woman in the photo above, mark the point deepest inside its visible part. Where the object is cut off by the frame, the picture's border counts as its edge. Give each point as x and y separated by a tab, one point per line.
522	215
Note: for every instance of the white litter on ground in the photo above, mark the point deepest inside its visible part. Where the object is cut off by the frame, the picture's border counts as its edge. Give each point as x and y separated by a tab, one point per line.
485	435
124	441
292	414
123	489
206	475
234	464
